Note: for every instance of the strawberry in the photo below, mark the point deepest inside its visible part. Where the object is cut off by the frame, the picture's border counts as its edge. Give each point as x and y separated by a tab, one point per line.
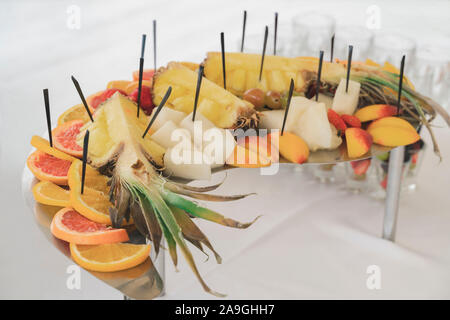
146	99
414	158
383	183
360	167
96	101
336	121
351	121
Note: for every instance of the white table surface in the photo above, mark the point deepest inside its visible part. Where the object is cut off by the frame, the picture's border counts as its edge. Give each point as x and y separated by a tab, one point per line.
314	240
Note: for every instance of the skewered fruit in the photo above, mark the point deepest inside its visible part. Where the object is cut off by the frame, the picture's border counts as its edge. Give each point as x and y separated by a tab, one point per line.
220	106
345	102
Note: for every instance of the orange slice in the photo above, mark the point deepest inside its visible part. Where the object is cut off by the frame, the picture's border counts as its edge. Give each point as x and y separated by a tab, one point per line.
77	112
70	226
109	257
65	136
43	145
46	167
48	193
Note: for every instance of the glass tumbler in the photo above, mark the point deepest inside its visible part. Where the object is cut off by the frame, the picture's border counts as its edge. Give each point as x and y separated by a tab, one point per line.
357	175
312	33
431	71
359	37
391	47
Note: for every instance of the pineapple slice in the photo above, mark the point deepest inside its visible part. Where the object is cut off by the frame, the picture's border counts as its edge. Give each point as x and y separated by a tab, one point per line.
277	72
223	108
115	128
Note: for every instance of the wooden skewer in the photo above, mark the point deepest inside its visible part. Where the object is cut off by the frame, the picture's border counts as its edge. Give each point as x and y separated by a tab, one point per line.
80	93
85	151
243	30
400	85
349	66
291	91
47	113
163	102
197	90
266	33
319	75
222	45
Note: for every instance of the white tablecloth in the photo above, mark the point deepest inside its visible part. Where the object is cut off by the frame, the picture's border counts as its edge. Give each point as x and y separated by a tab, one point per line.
313	241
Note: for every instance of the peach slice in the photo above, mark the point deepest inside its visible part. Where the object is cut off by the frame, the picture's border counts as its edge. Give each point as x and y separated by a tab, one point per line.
391	122
133	85
260	145
147	74
292	147
118	84
393	136
375	111
359	142
245	158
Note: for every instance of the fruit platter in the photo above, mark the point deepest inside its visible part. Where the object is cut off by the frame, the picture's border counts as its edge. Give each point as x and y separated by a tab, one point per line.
110	183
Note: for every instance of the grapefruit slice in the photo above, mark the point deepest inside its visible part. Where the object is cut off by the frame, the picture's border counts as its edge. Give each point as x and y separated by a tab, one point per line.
46	167
70	226
48	193
77	112
109	257
43	145
64	137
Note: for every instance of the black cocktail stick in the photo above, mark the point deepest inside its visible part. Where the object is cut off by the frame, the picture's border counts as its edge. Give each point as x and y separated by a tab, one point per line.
141	72
275	34
349	66
332	48
154	45
80	93
163	102
47	113
243	30
197	90
319	74
85	151
266	33
222	46
291	91
400	85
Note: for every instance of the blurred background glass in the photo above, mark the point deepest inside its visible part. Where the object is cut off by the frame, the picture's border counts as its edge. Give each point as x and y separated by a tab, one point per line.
358	36
312	33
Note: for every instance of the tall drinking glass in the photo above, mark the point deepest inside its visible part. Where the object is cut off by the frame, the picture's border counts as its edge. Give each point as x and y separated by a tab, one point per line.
312	33
359	37
391	47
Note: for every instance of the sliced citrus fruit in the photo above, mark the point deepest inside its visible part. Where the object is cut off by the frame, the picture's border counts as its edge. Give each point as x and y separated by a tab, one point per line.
64	137
109	257
77	112
93	204
48	193
43	145
46	167
70	226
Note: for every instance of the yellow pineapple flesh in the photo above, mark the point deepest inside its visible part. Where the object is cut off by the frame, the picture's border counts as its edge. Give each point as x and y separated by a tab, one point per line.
117	127
220	106
242	71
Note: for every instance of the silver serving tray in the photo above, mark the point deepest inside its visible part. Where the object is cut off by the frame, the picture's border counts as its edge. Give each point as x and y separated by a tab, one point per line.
144	281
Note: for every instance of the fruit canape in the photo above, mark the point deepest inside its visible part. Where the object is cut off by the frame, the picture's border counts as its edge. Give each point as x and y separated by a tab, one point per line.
124	184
